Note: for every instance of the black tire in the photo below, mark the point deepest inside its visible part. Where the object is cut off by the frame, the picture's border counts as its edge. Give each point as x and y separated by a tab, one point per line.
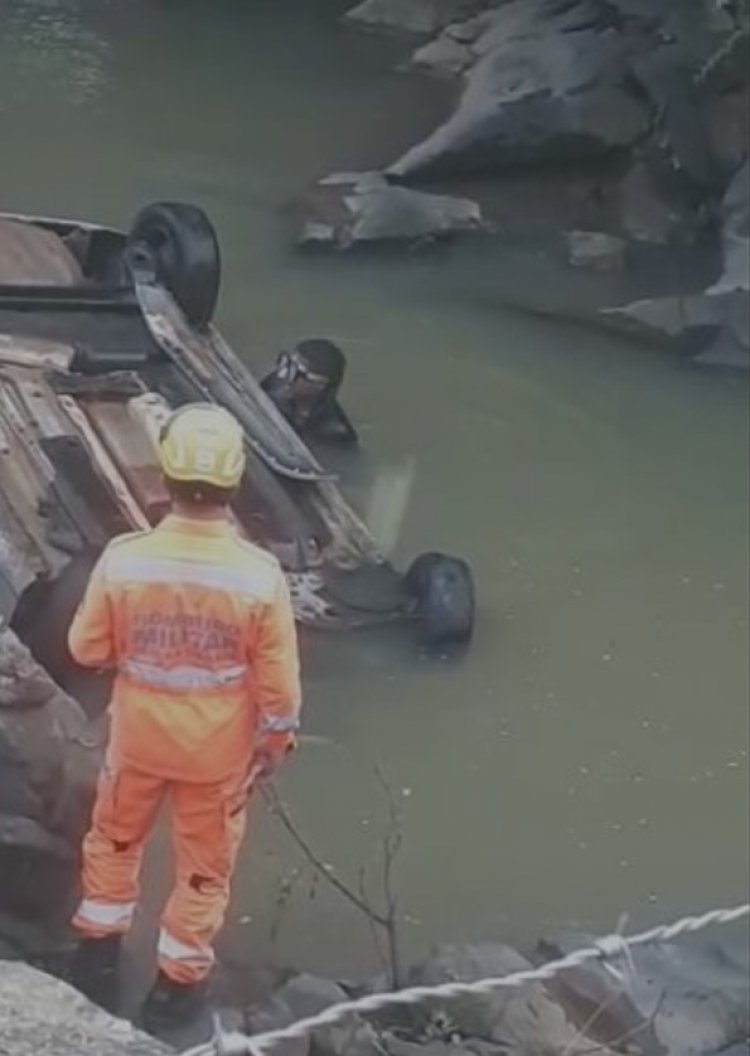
442	590
181	243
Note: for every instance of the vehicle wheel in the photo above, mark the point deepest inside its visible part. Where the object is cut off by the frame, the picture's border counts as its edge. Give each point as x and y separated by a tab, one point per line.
181	244
442	589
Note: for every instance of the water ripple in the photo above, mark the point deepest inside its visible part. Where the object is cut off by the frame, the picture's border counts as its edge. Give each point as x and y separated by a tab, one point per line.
46	45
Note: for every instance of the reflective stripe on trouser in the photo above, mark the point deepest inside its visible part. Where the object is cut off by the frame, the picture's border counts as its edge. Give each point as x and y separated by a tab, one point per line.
208	825
208	822
108	917
124	812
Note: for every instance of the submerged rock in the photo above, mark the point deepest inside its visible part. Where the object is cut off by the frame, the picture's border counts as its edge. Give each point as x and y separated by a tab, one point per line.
731	292
595	250
41	1016
445	56
713	324
685	320
735	213
646	216
350	209
49	758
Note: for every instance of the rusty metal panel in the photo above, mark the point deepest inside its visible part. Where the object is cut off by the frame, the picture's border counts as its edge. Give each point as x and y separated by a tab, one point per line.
24	470
31	256
105	464
20	561
39	402
34	352
24	551
70	504
131	449
152	412
213	369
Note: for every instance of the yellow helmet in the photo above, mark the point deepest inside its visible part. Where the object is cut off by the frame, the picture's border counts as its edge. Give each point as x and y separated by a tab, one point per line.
201	442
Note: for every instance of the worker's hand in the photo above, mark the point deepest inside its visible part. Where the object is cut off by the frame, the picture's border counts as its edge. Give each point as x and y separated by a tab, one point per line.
270	756
264	767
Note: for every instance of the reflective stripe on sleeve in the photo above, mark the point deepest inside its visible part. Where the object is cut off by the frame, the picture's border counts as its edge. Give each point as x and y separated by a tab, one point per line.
279	724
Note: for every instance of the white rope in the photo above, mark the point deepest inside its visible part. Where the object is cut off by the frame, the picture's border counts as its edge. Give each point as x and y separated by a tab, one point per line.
610	946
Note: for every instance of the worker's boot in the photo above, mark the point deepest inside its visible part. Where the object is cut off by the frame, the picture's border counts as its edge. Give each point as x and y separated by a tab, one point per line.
170	1004
93	970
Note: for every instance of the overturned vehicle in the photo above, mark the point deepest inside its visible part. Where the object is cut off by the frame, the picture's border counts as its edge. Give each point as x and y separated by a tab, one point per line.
102	334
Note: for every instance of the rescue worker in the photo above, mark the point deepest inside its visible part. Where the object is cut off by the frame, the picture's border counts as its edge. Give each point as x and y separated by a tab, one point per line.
198	626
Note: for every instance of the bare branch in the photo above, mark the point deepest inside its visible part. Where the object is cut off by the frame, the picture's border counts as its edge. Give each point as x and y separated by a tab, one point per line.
286	889
372	924
277	808
392	844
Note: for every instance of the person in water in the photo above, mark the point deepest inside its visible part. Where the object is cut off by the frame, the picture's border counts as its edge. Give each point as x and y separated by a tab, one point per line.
304	386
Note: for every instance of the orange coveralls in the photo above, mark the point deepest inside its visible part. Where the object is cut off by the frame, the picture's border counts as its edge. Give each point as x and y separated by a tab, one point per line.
199	627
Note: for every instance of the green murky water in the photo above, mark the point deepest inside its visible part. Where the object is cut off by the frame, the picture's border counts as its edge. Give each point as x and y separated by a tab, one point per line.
589	756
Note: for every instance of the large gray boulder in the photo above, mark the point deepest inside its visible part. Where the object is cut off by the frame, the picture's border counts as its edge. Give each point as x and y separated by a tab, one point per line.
712	325
596	251
514	1021
394	1046
549	82
735	213
466	964
672	999
306	995
49	758
356	209
537	95
41	1016
731	292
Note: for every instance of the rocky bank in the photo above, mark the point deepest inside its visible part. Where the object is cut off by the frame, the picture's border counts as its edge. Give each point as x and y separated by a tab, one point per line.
667	1000
634	111
41	1016
682	999
49	757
